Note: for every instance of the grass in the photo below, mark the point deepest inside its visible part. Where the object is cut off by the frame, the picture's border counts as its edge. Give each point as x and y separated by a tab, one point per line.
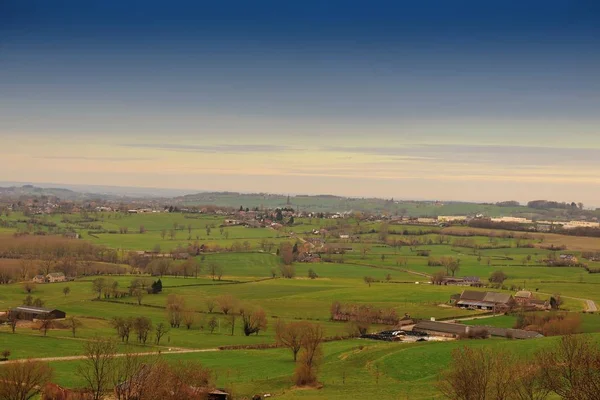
383	370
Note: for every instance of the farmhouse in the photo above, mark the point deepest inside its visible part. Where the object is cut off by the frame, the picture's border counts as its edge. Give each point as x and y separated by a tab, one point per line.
485	300
31	313
39	279
523	297
55	277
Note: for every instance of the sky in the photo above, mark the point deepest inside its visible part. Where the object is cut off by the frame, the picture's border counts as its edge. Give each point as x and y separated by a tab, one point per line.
439	100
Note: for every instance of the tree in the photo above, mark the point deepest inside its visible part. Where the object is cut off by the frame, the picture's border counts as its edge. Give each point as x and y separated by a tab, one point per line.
163	233
38	302
477	374
175	309
66	290
189	317
156	286
132	376
13	318
368	280
28	301
528	383
139	295
123	326
23	380
210	304
73	323
498	277
214	270
226	303
97	366
556	301
254	321
212	324
48	263
160	330
312	274
290	335
29	287
572	368
231	320
438	277
5	354
142	326
310	357
190	266
286	253
98	285
287	271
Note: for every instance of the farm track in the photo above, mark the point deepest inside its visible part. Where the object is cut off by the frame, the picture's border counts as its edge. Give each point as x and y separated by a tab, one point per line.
150	353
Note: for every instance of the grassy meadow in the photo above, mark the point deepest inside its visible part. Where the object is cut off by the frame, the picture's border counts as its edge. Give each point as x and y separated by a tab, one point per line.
385	370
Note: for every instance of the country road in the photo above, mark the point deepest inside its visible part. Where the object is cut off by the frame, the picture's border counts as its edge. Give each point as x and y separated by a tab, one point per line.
590	305
150	353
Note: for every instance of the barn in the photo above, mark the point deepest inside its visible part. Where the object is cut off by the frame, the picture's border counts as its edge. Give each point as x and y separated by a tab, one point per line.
31	313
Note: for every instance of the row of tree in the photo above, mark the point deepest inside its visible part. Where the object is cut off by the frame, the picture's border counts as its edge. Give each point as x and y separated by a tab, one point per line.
569	370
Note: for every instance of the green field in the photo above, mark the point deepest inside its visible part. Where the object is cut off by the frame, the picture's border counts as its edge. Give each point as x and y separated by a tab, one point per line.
385	370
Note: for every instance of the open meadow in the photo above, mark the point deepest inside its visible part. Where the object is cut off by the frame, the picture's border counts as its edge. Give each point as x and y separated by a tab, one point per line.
253	274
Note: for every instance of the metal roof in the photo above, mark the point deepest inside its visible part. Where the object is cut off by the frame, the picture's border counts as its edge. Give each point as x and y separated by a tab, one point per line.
34	309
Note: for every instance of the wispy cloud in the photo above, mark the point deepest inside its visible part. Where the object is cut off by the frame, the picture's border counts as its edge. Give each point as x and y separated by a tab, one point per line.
481	154
92	158
218	148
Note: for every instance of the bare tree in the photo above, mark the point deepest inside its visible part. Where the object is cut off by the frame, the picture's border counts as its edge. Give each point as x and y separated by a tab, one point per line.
290	335
132	376
29	287
160	330
97	367
212	324
572	368
368	280
46	323
123	326
142	326
98	286
66	290
189	318
478	374
13	318
310	357
175	309
73	323
210	304
226	303
23	380
254	321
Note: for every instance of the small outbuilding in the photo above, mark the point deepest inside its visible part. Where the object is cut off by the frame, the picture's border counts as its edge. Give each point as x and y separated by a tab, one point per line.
31	313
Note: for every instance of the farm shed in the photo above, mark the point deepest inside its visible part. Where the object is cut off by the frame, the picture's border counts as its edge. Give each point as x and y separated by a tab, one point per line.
31	313
485	300
447	329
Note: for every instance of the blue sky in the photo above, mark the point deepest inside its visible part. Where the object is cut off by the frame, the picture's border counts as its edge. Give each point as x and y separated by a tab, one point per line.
431	99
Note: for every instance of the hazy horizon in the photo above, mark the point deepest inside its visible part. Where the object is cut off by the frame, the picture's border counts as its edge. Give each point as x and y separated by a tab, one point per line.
464	102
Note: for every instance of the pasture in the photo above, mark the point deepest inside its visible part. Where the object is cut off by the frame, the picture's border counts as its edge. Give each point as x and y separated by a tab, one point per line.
251	275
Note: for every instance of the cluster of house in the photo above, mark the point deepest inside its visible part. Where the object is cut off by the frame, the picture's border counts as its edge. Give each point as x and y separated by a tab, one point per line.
496	301
52	277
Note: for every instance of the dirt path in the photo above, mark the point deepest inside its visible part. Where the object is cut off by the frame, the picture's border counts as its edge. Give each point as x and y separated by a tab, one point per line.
150	353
